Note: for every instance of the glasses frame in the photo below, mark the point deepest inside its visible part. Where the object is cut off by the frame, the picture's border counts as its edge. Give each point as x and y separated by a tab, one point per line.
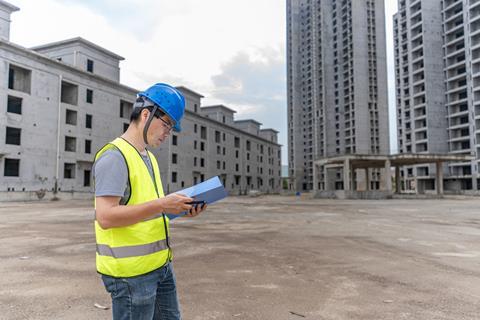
167	126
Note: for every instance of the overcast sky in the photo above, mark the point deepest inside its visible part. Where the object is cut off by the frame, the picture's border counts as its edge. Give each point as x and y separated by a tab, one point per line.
232	52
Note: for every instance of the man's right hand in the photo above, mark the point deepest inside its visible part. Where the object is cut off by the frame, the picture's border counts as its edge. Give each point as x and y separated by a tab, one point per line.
175	203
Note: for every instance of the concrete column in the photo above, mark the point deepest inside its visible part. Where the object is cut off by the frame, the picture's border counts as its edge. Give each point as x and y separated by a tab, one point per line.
352	183
439	178
388	176
346	175
315	178
325	181
398	182
367	179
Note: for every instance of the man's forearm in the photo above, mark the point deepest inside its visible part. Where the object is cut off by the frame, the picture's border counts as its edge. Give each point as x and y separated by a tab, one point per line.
122	216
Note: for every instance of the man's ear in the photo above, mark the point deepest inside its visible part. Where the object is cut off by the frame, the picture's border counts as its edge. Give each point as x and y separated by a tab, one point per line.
144	115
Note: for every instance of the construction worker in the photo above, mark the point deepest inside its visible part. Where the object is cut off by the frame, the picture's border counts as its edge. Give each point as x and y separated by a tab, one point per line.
132	231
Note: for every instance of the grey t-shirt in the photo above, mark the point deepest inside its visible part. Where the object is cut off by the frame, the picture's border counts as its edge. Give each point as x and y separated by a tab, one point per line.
111	175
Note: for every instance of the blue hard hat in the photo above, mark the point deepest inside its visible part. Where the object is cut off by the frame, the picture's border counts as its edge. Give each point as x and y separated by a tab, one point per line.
169	100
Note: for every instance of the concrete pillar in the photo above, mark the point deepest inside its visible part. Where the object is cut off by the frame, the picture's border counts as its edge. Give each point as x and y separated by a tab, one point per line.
367	179
315	178
352	183
439	178
346	175
398	182
388	176
325	180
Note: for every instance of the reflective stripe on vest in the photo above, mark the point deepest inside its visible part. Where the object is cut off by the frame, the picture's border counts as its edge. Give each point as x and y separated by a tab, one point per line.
142	247
131	251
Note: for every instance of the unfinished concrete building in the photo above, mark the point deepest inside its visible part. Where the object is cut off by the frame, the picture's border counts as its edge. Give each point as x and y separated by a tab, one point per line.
337	94
63	101
437	68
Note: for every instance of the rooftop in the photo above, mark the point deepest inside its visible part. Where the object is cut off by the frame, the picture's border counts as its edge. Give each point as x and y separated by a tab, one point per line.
77	40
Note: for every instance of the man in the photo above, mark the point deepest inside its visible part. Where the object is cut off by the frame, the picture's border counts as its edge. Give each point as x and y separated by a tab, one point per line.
132	232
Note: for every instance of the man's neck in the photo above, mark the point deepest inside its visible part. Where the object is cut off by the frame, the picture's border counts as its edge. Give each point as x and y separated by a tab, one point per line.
135	138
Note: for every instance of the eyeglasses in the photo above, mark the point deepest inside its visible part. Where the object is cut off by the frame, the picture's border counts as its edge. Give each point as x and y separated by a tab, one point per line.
167	125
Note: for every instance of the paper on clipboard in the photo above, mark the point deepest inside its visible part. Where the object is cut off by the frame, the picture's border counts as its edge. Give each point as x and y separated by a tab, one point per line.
210	191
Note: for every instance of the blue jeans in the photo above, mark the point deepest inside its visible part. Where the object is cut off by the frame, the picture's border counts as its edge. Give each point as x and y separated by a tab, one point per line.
152	296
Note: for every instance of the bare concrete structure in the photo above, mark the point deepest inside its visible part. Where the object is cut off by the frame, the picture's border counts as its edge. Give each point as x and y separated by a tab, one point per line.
437	51
63	101
337	94
352	164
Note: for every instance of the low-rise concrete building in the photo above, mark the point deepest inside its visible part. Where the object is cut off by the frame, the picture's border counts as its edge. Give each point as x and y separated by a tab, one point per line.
63	101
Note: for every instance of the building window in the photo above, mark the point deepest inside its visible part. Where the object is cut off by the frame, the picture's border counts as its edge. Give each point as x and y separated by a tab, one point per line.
202	163
248	145
88	146
195	144
223	119
174	158
217	136
224	166
12	168
203	132
219	150
90	65
218	164
195	161
71	117
13	136
14	105
237	142
89	96
248	156
195	108
195	128
236	167
69	171
19	79
236	154
69	93
70	144
125	109
174	177
86	178
174	140
202	146
88	121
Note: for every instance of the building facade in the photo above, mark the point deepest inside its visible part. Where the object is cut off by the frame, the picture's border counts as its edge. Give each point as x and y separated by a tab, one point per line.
337	87
437	51
61	102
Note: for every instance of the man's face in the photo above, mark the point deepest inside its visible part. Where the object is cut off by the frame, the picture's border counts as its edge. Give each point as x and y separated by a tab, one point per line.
159	130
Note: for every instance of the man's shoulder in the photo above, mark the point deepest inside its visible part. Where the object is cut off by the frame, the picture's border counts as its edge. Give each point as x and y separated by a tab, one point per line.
110	159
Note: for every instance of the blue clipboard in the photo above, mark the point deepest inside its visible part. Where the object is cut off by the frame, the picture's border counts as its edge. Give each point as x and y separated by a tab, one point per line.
210	191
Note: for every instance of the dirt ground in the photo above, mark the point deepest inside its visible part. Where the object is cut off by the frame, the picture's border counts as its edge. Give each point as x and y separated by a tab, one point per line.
262	258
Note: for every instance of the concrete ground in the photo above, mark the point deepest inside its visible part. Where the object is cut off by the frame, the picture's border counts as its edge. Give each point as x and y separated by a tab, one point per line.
262	258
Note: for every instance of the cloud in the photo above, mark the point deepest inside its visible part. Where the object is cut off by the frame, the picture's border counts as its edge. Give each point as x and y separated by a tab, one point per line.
254	84
140	19
259	82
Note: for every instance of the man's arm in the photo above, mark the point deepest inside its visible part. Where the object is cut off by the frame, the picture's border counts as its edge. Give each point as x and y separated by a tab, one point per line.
110	214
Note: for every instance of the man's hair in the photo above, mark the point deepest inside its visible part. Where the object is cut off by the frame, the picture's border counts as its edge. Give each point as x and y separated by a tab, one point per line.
136	111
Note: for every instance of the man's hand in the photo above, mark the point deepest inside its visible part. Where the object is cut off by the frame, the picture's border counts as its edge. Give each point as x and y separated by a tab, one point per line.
195	211
175	203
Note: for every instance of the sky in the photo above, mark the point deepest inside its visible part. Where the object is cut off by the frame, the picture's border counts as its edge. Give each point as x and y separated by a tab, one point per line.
230	51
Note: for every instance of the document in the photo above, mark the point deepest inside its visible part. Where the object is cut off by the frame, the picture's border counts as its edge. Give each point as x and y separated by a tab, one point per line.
210	191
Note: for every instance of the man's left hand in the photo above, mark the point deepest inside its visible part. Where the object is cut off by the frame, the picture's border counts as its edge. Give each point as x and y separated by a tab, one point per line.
195	211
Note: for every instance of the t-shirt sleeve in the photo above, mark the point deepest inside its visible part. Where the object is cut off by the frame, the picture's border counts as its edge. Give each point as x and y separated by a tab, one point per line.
111	174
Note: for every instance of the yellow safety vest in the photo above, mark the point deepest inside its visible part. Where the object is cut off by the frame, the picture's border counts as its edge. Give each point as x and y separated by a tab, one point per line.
142	247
